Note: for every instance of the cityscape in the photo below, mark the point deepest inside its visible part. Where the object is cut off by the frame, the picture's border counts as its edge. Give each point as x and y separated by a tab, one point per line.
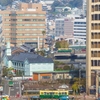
49	49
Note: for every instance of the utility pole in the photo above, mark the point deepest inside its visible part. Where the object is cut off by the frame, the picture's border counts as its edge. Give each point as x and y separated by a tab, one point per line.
97	83
79	69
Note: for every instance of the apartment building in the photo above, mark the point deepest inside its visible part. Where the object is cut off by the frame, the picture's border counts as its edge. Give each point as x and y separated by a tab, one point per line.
93	40
25	25
71	26
80	28
68	26
59	27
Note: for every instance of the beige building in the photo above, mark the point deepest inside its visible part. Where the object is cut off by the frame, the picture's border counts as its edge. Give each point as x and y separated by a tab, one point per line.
24	25
68	27
93	39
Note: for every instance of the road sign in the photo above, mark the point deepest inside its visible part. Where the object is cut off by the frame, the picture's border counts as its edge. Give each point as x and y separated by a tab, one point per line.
11	83
1	88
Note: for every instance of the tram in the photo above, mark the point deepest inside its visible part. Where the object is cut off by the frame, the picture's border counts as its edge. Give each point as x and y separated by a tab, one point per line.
44	94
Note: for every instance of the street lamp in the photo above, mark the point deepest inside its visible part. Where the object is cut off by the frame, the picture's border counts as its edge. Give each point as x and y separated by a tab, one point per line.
79	76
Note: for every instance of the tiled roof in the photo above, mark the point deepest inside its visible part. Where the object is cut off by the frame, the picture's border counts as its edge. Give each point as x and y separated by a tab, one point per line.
40	59
31	57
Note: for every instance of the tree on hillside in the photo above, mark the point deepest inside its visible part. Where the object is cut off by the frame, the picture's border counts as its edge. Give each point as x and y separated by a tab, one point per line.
76	3
62	44
56	4
27	1
5	2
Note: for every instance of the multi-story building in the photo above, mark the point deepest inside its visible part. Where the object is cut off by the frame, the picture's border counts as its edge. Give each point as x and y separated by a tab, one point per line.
59	27
93	39
25	25
80	28
71	26
26	62
68	26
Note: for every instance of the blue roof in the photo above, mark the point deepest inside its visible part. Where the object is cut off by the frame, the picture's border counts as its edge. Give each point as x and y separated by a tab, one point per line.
31	57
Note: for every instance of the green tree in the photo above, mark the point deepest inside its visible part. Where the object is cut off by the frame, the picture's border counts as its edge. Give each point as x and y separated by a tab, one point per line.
7	71
56	4
5	2
66	67
76	3
62	44
43	32
42	52
75	87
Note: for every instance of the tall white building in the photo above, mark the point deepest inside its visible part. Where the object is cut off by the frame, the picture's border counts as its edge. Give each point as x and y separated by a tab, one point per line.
80	28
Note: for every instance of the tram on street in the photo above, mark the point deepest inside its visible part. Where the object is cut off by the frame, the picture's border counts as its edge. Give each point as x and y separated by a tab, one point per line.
56	94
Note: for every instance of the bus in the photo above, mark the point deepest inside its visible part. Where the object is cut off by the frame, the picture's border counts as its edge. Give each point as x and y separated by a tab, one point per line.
56	94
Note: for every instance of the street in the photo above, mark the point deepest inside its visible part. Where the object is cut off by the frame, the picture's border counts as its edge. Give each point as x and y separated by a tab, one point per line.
12	91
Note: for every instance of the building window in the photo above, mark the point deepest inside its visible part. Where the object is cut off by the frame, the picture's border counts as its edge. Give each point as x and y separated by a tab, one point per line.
22	65
92	0
26	19
45	77
95	62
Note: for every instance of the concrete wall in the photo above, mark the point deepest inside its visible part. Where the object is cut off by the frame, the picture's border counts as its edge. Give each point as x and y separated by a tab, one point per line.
41	67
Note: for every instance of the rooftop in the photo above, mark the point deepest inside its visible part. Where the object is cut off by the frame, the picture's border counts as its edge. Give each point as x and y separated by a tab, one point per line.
31	57
63	71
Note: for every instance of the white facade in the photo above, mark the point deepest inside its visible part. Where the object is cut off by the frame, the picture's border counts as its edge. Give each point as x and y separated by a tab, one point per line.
77	11
59	27
7	62
29	68
80	28
34	67
47	2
